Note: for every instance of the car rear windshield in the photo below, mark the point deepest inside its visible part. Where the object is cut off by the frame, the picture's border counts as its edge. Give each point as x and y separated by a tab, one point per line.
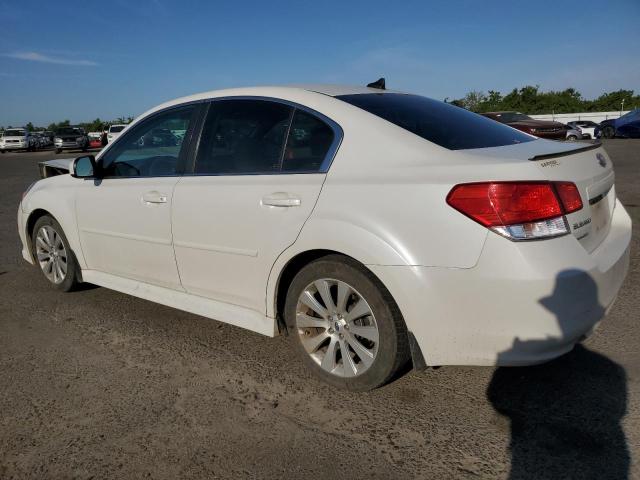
117	129
15	133
441	123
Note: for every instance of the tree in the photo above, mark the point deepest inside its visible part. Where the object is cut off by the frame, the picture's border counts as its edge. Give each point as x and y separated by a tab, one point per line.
529	99
30	127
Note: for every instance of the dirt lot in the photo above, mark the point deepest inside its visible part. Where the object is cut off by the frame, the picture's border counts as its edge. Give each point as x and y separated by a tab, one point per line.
96	384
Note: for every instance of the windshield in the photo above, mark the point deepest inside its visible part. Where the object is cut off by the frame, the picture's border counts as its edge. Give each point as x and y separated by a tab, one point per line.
68	131
116	129
14	133
631	114
441	123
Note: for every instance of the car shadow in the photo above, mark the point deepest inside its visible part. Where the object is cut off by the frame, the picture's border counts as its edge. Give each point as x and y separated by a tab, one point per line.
565	416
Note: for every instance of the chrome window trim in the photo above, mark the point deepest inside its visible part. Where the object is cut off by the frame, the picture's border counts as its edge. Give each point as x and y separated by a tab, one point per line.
338	135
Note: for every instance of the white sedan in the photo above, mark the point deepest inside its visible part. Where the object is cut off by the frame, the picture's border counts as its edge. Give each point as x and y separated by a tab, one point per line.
372	227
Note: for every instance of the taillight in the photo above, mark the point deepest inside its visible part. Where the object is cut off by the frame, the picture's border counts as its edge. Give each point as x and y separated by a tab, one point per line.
569	196
518	210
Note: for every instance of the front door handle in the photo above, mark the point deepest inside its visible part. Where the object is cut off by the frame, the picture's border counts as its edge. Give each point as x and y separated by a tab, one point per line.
281	199
154	197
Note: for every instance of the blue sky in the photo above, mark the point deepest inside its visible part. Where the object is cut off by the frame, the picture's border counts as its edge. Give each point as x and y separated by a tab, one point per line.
80	60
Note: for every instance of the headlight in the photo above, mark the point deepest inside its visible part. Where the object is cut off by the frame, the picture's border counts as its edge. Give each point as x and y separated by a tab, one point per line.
57	140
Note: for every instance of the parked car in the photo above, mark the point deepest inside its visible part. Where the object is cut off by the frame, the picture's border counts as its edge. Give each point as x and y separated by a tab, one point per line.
627	126
18	139
41	141
587	127
374	227
574	134
539	128
71	138
95	139
114	132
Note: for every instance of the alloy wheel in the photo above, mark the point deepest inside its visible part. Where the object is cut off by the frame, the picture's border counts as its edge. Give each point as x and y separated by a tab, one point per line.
337	328
51	254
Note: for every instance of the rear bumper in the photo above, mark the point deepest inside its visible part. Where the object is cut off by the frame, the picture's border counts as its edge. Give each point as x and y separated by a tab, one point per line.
523	303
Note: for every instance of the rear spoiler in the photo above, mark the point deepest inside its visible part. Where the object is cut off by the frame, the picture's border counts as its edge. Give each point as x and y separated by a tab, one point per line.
592	146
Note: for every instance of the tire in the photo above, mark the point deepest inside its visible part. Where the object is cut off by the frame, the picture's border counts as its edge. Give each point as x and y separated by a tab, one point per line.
608	132
54	242
319	340
572	138
58	151
2	152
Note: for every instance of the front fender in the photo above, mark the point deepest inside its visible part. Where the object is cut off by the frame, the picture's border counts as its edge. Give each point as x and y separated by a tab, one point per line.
55	195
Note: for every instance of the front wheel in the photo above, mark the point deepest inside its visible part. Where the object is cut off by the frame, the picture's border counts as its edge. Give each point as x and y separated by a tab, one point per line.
608	132
572	138
345	325
53	254
58	150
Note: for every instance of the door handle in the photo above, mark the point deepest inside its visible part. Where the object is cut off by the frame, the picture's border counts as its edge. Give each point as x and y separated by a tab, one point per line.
154	197
281	199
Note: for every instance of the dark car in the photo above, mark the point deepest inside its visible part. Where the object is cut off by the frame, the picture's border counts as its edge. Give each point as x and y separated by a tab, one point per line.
71	138
627	126
539	128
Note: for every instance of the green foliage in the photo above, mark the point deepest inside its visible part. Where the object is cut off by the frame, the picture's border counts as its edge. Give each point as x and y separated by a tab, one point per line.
531	100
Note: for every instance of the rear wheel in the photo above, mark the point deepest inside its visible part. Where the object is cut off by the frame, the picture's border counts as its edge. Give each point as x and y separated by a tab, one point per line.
345	326
572	138
53	254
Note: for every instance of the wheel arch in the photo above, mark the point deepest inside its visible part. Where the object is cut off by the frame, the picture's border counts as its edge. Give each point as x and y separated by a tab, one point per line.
298	261
34	216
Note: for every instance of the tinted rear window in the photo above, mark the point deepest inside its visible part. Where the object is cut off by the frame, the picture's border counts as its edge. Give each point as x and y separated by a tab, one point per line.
446	125
116	129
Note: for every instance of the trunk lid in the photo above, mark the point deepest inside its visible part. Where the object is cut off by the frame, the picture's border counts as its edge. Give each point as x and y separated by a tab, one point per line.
586	165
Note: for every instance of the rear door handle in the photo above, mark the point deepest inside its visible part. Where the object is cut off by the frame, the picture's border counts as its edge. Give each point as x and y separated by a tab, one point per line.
154	197
281	199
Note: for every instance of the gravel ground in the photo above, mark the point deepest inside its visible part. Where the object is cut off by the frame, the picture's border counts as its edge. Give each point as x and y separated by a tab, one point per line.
97	384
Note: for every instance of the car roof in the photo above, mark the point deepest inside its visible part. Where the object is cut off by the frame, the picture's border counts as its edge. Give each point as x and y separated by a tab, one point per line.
276	91
501	112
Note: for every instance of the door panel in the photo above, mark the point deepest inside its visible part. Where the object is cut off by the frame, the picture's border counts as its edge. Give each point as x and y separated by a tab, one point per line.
125	228
124	217
227	238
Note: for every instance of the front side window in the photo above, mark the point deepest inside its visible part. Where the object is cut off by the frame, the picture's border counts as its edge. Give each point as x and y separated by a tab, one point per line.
441	123
243	137
150	149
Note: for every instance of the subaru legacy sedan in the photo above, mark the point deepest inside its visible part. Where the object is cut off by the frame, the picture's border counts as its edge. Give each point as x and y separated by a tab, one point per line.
371	227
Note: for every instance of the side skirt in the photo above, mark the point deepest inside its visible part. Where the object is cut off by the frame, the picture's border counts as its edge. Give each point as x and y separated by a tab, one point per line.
223	312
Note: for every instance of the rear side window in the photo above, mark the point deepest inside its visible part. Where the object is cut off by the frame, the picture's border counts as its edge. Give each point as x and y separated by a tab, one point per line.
308	143
446	125
243	136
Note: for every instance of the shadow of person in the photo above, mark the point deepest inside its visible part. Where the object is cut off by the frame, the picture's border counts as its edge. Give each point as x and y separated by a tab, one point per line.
564	415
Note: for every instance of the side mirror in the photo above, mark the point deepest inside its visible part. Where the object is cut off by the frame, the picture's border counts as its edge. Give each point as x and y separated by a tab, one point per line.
84	167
